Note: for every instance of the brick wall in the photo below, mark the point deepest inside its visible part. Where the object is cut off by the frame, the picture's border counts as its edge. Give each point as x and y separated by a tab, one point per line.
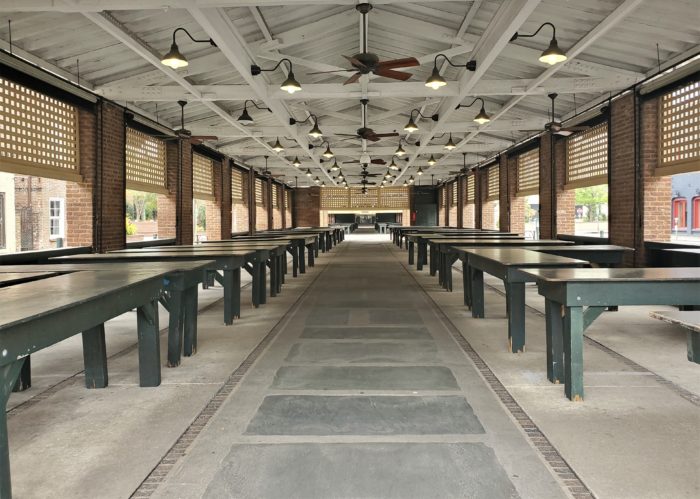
564	200
79	195
110	179
307	207
225	203
516	205
504	191
239	210
185	229
288	214
167	203
656	191
214	225
468	216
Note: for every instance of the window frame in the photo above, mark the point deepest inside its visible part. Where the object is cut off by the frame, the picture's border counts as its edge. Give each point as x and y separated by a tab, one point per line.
695	213
683	202
3	238
61	218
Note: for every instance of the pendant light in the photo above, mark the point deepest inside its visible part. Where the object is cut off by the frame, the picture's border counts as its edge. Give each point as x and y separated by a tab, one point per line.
481	117
411	179
323	184
308	172
317	180
315	131
327	153
419	172
405	183
277	146
393	165
334	166
174	58
245	118
290	85
432	160
296	161
553	54
400	150
450	144
340	175
436	81
387	175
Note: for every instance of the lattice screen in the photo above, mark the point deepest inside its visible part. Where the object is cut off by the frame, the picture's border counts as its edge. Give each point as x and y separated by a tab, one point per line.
275	198
237	185
470	182
333	198
358	200
453	188
587	157
529	173
494	176
679	130
287	193
202	177
38	134
394	197
145	162
259	198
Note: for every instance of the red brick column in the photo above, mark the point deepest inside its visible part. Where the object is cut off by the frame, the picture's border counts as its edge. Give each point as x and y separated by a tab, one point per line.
460	201
307	207
185	227
557	206
80	195
226	204
214	208
504	194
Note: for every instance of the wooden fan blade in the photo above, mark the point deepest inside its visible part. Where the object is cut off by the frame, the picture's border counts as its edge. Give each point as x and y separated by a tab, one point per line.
205	137
371	138
335	71
353	161
355	62
353	79
378	161
398	63
575	128
393	134
390	73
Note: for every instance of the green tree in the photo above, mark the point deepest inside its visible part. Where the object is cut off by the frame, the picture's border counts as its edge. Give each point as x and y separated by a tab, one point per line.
592	198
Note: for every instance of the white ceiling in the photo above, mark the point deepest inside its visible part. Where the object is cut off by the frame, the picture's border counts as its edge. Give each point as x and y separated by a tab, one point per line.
117	44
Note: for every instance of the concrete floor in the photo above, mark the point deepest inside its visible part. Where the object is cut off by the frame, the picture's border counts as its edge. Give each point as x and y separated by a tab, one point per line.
357	381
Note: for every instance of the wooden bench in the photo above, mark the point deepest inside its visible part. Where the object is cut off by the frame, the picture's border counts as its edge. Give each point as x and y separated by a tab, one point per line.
690	320
574	298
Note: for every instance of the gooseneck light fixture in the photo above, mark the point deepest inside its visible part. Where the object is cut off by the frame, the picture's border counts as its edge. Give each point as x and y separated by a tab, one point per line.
411	180
419	172
436	81
245	118
400	150
411	125
296	161
450	144
432	160
174	58
334	166
328	154
480	118
308	172
552	54
393	165
315	132
289	85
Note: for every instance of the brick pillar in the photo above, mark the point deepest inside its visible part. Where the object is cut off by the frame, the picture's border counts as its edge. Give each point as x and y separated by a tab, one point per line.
110	179
185	219
226	202
270	207
556	204
655	191
516	205
504	193
252	213
80	225
307	207
623	189
215	208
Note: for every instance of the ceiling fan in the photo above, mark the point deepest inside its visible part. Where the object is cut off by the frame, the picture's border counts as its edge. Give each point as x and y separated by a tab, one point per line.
464	170
366	133
556	127
183	133
367	62
364	173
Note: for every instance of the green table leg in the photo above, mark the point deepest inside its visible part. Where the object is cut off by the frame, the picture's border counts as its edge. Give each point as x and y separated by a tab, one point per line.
263	283
190	318
95	357
411	251
149	344
515	305
302	263
477	292
256	282
229	292
555	341
311	253
420	256
466	283
694	346
273	275
24	381
573	353
175	327
8	377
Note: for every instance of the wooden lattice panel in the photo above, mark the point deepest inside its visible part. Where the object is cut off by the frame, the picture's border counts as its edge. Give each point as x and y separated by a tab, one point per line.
237	185
679	130
587	157
360	200
145	162
202	177
494	177
453	188
286	194
334	198
394	197
529	173
470	182
259	199
38	134
275	194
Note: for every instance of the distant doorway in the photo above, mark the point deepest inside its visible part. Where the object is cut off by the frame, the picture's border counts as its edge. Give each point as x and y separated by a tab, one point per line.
365	219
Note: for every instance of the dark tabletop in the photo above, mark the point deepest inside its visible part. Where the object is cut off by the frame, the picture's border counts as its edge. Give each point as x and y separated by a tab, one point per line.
582	247
97	266
156	255
521	257
460	243
8	278
689	251
679	274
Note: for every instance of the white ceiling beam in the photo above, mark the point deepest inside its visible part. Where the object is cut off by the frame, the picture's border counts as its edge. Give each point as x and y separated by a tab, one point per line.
384	151
114	5
506	21
601	28
310	91
331	130
221	29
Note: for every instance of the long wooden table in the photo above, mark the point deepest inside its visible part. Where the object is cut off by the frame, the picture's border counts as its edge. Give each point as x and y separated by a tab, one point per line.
11	278
683	257
229	262
583	294
507	264
422	241
38	314
690	321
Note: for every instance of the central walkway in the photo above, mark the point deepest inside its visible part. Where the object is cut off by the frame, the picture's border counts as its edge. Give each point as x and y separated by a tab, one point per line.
361	392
